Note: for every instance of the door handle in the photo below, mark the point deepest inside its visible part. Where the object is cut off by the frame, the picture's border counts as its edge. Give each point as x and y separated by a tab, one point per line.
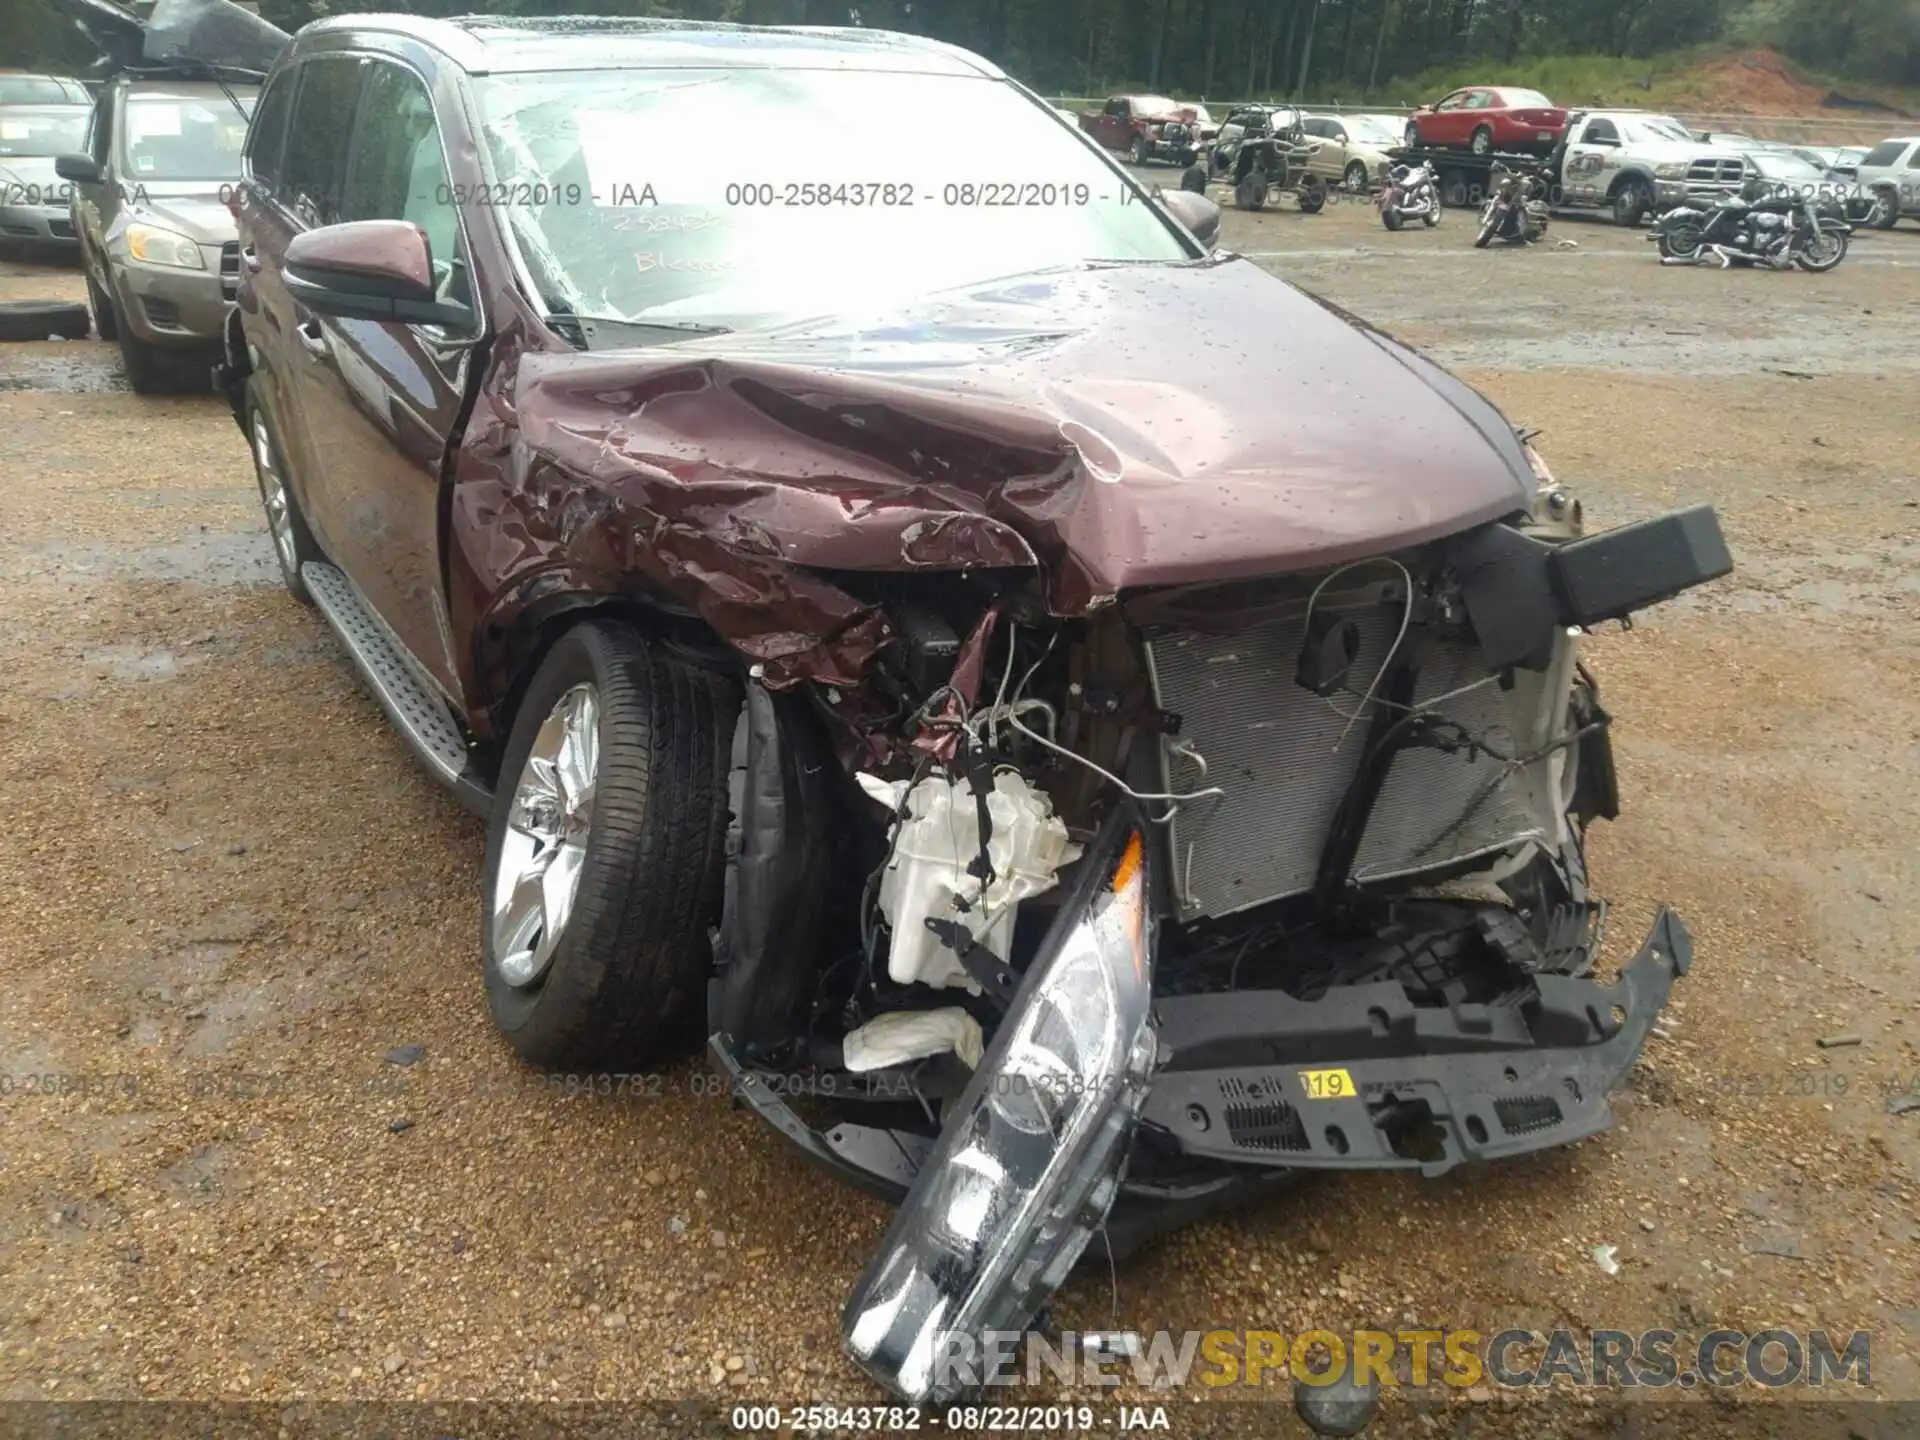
311	339
250	258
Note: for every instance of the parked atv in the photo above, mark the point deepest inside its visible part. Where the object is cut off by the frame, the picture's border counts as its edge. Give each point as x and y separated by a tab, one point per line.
1274	165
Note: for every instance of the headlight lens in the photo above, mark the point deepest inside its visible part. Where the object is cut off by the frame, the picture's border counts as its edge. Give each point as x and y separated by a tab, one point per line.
1027	1166
1670	172
163	247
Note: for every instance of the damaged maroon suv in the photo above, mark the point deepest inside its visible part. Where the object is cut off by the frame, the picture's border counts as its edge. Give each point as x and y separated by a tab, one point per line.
1065	797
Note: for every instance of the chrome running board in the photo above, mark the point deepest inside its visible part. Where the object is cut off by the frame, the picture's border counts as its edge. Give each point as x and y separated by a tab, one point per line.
420	715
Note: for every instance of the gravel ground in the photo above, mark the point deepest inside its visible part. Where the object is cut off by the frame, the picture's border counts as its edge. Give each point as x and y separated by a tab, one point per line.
223	877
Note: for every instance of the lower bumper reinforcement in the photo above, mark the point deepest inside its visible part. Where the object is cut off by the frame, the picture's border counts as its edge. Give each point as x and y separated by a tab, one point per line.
1363	1066
1494	1084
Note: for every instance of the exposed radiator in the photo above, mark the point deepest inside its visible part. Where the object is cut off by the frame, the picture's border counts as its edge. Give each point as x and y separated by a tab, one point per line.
1270	744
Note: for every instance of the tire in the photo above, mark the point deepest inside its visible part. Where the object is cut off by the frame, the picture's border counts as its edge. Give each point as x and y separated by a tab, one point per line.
1487	225
104	323
1194	178
293	543
1355	178
1390	217
1412	135
1631	201
40	319
1313	198
1431	218
1481	141
1139	150
1886	213
624	979
1820	267
1251	193
1683	242
146	367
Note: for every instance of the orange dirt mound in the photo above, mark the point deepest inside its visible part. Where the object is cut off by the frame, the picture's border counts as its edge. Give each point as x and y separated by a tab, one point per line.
1754	82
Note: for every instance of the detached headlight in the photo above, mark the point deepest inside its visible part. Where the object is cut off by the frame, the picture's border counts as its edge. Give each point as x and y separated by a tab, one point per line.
1029	1162
163	247
1670	172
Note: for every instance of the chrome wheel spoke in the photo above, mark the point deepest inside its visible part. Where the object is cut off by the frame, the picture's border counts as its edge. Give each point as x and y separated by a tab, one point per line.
578	762
520	926
544	850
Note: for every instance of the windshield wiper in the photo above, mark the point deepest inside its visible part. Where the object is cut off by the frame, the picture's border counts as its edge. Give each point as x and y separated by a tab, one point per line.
628	332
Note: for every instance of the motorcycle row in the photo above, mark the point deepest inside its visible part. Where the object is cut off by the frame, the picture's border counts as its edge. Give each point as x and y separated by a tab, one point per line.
1763	225
1515	211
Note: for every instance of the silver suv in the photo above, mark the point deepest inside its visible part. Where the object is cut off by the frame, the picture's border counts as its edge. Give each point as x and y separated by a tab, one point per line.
150	210
1890	172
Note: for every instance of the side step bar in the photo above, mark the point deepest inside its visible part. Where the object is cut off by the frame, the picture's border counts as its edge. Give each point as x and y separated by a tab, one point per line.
420	715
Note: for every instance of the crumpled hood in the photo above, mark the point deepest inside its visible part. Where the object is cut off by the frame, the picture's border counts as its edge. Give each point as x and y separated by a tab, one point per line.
1123	426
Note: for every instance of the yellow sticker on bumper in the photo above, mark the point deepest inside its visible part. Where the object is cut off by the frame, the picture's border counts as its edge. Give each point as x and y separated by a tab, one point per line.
1327	1084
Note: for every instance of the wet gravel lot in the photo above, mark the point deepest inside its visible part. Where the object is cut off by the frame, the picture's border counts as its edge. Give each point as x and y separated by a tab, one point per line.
283	1156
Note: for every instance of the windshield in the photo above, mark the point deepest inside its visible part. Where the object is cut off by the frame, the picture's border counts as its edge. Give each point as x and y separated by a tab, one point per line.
39	90
1659	127
41	133
185	139
1374	129
823	213
1526	100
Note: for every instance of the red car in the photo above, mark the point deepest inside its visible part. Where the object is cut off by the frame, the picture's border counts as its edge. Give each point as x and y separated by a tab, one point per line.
1490	118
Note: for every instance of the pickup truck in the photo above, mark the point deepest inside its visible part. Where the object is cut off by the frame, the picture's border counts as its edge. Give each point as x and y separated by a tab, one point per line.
1151	127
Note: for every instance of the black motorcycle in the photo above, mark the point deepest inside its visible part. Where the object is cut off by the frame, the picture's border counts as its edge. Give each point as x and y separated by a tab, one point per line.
1517	210
1775	227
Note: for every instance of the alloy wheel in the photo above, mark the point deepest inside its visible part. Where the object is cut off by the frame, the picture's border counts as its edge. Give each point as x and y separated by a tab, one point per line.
546	841
273	494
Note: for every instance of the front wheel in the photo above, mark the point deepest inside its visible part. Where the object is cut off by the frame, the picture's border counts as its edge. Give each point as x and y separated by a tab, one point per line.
104	323
1631	203
1412	136
1251	193
1431	216
1682	242
1139	150
605	853
1824	250
1313	198
1489	222
293	544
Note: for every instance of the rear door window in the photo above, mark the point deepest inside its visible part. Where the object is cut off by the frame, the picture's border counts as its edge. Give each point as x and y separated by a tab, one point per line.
321	137
1887	152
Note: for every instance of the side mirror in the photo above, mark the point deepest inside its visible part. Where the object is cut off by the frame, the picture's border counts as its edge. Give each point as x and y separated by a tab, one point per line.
369	270
80	169
1196	212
